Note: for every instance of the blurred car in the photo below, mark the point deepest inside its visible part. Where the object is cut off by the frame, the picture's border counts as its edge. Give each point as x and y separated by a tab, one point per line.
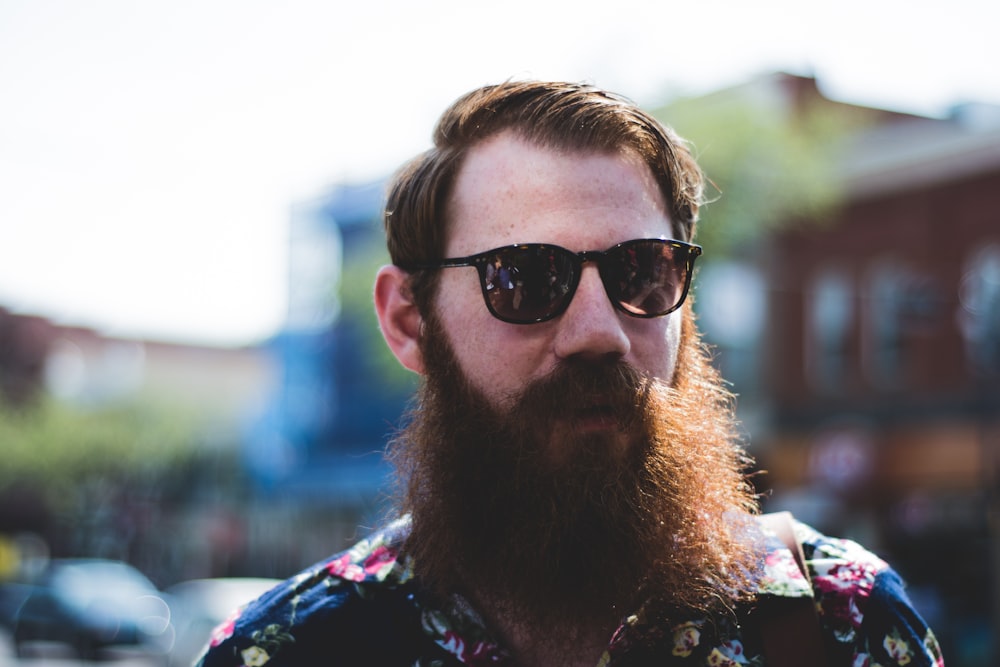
91	605
12	596
200	605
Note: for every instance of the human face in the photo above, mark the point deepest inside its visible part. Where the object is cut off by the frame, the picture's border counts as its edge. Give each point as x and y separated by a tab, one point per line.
511	191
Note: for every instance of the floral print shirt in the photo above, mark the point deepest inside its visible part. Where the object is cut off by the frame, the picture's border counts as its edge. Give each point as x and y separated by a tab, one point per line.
365	606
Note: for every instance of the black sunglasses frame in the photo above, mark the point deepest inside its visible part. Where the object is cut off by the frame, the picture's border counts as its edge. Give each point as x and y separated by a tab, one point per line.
688	253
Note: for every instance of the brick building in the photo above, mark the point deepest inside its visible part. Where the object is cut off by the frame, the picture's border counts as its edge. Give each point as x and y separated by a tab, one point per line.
882	361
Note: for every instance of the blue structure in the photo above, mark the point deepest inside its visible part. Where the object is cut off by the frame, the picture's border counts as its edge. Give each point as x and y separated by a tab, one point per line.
324	431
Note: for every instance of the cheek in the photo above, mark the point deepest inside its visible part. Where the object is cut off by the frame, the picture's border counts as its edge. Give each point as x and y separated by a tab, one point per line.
673	345
459	305
489	362
472	333
495	357
656	347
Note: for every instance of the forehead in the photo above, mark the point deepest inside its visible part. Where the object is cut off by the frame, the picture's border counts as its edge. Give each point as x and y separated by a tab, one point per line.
509	190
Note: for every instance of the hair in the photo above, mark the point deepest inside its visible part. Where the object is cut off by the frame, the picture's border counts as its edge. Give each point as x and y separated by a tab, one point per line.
562	116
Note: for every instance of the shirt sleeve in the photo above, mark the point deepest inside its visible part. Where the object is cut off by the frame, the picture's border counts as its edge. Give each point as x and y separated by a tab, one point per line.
863	606
892	632
319	620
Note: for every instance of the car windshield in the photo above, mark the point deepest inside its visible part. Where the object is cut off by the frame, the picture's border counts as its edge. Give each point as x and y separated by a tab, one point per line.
84	582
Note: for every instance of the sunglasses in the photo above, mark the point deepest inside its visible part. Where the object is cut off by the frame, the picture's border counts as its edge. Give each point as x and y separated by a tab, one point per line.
535	282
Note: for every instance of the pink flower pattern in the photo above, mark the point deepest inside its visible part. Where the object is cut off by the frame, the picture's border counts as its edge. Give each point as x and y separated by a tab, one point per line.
345	568
842	577
225	630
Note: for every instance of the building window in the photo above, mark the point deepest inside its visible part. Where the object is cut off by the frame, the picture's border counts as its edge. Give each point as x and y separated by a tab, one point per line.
829	312
979	317
885	311
732	307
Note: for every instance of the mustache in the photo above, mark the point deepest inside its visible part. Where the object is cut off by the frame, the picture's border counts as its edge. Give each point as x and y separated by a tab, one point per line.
578	387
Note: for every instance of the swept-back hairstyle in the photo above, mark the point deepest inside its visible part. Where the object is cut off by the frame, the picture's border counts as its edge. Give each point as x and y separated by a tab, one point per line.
562	116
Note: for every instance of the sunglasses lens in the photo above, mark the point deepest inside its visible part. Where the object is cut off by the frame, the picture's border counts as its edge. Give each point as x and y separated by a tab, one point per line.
534	282
647	278
528	283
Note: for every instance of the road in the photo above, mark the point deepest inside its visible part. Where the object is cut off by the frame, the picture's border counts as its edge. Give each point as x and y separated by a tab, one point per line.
53	655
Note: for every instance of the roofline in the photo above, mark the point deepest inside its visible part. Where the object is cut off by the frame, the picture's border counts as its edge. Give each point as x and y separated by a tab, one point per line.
920	165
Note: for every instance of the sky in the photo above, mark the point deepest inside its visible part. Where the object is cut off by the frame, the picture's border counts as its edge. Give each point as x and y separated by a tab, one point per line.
151	150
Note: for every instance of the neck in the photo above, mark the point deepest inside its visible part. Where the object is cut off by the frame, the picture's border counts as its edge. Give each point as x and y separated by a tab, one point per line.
538	638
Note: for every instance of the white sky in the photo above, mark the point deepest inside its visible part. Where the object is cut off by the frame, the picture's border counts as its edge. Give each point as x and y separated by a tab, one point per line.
150	149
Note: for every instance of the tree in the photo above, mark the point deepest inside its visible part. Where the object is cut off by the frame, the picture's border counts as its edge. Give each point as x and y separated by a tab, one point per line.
356	288
83	479
771	159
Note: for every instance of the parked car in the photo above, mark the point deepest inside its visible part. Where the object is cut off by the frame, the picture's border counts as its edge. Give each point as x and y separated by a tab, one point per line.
91	605
200	605
12	596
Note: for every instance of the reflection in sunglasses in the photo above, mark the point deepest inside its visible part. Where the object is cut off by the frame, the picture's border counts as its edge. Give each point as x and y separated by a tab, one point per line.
534	282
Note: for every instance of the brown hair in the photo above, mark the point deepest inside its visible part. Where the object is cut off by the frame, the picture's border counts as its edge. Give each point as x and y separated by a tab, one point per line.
565	116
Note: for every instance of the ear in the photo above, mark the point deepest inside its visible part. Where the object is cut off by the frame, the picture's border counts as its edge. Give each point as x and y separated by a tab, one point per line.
398	317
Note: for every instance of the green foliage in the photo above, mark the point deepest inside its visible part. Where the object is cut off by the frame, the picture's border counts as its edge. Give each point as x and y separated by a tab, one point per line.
357	282
766	167
59	447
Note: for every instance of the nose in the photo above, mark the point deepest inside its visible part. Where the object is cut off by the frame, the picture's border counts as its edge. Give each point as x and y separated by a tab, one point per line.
591	327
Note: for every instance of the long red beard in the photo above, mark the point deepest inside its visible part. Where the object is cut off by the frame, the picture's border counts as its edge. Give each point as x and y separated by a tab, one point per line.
549	525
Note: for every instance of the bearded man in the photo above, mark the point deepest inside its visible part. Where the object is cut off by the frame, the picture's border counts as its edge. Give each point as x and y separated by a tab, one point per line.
571	486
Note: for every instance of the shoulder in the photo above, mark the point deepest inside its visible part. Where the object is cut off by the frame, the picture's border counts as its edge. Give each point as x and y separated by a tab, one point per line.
843	575
863	603
351	608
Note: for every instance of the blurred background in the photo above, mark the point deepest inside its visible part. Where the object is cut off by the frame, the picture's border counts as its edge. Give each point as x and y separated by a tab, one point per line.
193	391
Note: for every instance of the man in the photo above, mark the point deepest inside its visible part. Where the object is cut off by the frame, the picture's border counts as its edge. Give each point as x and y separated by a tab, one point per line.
572	491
